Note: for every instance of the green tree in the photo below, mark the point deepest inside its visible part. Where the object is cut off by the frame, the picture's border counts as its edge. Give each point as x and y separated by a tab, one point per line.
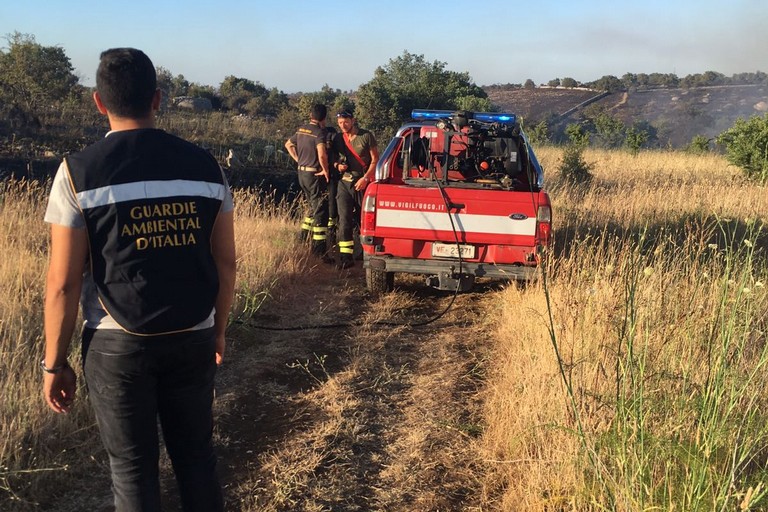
663	80
242	95
540	133
635	138
703	79
569	82
275	101
473	104
573	167
746	146
529	84
172	86
205	91
342	102
699	145
577	135
608	83
609	131
33	77
326	96
629	80
406	83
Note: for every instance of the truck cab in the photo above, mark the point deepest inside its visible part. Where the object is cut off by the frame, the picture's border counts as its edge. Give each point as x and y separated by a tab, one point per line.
457	196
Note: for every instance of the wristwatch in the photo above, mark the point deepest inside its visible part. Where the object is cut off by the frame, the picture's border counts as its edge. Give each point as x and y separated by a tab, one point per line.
56	369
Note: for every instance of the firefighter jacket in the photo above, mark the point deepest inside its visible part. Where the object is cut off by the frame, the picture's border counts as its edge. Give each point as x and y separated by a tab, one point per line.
150	201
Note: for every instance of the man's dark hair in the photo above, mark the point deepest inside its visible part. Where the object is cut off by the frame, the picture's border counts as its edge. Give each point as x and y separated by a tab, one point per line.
319	112
126	81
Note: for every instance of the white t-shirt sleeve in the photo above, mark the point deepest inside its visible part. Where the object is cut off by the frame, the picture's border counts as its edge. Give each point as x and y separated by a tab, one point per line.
228	203
62	205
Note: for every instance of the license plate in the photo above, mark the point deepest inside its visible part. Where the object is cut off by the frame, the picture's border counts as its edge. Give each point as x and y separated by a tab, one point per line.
440	250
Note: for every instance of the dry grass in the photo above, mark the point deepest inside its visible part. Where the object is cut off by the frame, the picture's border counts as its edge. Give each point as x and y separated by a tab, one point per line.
268	252
645	387
26	431
631	378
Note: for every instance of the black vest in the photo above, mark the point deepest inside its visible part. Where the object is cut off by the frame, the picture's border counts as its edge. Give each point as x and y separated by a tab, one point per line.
150	201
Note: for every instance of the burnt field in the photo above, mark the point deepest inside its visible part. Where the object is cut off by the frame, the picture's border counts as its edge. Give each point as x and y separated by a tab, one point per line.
678	114
279	183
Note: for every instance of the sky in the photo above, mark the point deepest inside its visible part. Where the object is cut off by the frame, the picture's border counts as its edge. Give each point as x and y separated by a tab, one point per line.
300	46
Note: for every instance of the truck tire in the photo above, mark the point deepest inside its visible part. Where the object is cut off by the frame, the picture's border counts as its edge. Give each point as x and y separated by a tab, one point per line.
379	282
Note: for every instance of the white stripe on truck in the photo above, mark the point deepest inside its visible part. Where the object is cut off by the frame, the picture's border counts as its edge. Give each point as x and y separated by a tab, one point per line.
410	219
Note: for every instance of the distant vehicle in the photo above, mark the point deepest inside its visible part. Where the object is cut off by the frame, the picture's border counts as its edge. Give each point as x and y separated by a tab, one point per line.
457	196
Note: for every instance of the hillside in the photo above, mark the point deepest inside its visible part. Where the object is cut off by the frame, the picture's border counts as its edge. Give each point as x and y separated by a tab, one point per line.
537	104
677	114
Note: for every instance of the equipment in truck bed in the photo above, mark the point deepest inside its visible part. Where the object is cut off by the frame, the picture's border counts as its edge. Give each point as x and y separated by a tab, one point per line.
457	195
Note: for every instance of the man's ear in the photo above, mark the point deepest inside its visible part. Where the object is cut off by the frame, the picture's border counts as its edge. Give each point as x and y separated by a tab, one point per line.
99	103
156	99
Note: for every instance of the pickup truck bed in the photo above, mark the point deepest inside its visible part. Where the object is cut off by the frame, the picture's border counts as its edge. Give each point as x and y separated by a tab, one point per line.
454	209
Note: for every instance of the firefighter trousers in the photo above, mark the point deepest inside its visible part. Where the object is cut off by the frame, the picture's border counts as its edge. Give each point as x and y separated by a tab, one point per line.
333	211
316	193
348	201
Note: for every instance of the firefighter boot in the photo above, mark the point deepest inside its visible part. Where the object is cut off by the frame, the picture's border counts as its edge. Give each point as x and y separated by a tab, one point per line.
346	250
319	250
305	234
346	261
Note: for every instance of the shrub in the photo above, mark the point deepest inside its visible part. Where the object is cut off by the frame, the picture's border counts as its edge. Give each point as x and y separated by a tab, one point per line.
746	146
539	134
573	167
699	145
635	139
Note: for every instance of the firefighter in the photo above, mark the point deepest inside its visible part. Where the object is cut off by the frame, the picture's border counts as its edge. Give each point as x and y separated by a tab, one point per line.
333	185
357	156
308	148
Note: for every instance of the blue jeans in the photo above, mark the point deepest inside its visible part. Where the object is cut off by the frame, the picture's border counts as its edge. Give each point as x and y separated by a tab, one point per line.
134	380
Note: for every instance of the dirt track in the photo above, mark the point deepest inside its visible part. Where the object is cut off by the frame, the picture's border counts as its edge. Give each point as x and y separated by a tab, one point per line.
354	418
350	418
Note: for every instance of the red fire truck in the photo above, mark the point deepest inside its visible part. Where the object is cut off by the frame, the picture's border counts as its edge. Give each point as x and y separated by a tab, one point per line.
457	196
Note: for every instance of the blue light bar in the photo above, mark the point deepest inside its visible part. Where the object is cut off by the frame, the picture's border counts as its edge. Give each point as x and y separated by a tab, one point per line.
493	117
430	114
486	117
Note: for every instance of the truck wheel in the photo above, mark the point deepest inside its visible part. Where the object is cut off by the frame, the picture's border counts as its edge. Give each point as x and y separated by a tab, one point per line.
379	282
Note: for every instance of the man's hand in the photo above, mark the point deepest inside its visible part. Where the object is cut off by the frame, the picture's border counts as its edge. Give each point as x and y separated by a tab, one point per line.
325	173
291	148
59	389
68	253
361	184
220	345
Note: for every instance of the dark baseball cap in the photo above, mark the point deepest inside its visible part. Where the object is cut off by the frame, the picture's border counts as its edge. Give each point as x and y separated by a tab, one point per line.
344	113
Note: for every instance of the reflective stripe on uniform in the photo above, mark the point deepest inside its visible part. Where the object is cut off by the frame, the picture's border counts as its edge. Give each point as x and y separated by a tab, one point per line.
347	247
306	224
114	194
319	233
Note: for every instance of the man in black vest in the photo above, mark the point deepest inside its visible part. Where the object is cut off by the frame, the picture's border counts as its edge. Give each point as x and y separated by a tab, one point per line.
308	148
142	225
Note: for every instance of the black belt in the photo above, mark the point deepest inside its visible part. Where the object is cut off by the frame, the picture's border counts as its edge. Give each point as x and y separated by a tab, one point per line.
307	168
